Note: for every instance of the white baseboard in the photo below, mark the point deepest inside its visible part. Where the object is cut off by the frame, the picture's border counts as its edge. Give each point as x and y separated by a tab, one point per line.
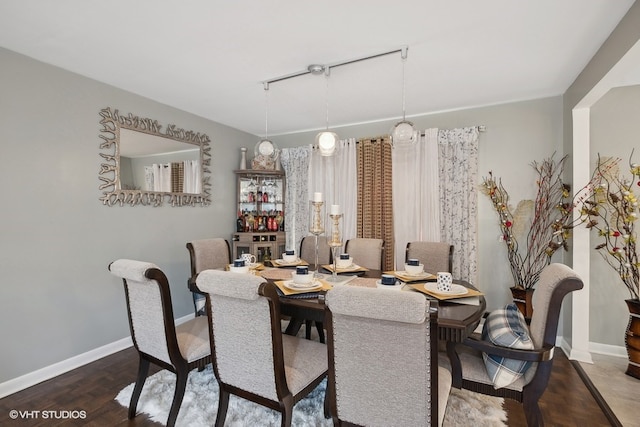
607	349
32	378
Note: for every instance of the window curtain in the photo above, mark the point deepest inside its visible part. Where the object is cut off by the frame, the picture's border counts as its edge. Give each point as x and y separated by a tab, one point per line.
336	178
458	170
416	197
375	195
295	162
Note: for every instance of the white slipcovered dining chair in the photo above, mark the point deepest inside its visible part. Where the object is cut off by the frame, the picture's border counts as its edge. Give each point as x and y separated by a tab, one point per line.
368	253
206	254
252	358
436	256
383	358
155	336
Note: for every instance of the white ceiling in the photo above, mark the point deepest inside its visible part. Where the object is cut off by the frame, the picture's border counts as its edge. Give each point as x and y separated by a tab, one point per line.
210	57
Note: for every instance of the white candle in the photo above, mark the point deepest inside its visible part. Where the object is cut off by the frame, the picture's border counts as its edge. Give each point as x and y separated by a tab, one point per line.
317	197
335	209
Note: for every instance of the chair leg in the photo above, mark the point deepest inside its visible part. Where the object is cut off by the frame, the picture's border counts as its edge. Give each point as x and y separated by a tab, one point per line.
287	413
320	328
532	411
143	371
307	329
182	375
223	405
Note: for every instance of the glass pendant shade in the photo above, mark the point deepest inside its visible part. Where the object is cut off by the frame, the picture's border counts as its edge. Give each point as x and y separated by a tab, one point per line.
403	133
326	142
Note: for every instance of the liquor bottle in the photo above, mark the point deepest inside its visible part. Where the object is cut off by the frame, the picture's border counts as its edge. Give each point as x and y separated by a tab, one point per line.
240	222
267	254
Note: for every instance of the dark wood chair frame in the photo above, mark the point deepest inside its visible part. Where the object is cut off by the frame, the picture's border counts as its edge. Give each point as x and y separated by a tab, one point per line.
331	403
406	255
178	366
192	280
310	323
286	400
532	392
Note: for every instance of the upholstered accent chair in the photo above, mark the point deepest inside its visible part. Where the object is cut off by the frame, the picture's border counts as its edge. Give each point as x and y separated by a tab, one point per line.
436	256
556	281
206	254
368	253
155	335
252	358
383	358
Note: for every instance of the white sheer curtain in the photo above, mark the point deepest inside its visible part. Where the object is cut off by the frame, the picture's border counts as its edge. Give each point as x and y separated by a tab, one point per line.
295	162
458	171
416	203
336	178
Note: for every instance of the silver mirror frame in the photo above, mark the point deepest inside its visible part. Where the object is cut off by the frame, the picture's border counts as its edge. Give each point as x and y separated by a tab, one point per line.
112	121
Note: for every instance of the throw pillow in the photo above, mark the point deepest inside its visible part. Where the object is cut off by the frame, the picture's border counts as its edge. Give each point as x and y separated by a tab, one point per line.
506	327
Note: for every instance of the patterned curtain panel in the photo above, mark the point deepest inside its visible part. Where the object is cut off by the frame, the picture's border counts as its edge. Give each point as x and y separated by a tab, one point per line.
458	170
295	162
375	194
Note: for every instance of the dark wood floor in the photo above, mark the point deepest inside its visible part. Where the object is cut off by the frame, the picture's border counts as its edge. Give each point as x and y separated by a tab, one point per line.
92	388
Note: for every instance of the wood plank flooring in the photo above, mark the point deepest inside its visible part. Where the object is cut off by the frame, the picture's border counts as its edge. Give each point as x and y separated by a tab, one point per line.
92	388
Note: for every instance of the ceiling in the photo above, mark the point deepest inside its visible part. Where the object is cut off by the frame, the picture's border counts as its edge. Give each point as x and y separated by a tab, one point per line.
211	57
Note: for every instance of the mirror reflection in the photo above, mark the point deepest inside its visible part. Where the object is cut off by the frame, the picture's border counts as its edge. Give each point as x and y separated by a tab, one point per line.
147	163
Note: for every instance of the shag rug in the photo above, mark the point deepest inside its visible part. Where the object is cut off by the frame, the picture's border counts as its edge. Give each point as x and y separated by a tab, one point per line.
200	405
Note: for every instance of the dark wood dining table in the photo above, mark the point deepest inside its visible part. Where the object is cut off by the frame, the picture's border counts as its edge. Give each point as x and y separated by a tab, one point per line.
455	321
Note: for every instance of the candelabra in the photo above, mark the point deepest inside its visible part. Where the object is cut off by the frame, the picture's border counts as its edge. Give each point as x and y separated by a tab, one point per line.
335	242
316	226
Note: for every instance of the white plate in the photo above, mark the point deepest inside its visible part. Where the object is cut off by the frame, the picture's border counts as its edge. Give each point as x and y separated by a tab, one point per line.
283	262
423	275
397	286
455	289
290	284
352	267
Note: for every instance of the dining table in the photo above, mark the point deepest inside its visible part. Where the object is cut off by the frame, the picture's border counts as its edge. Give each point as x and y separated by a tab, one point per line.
456	321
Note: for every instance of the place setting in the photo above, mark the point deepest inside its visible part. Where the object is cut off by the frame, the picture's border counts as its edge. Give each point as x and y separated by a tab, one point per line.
289	259
344	264
302	284
445	290
413	272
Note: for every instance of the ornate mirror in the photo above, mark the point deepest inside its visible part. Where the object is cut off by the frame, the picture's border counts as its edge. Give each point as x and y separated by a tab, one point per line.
147	164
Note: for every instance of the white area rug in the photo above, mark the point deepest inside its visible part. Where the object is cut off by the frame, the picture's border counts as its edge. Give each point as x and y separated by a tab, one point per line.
200	405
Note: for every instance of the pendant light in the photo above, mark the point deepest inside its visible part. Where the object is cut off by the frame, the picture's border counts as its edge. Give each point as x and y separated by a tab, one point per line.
403	132
265	147
326	141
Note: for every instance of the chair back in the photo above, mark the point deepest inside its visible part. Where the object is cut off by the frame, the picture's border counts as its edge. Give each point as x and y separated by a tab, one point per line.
241	330
382	356
556	281
368	253
149	307
208	254
308	250
436	256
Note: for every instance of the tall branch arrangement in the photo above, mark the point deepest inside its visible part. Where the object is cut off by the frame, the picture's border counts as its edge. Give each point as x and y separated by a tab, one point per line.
550	222
612	211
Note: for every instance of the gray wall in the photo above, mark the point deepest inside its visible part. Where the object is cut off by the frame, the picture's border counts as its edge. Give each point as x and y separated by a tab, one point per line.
57	239
614	133
57	299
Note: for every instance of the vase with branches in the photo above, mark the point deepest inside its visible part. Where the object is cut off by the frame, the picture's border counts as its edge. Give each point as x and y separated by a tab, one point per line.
547	224
611	210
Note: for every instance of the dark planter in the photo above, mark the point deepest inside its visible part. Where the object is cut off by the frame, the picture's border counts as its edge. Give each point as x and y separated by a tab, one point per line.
632	338
522	298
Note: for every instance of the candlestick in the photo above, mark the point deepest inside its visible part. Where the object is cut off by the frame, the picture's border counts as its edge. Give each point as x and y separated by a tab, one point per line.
316	224
335	240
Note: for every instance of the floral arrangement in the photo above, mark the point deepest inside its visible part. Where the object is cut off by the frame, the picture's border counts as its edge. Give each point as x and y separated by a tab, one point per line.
612	210
549	224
